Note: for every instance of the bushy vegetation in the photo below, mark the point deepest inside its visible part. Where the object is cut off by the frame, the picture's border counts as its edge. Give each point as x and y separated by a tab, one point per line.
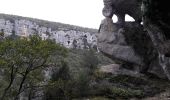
125	87
83	80
74	74
79	69
22	63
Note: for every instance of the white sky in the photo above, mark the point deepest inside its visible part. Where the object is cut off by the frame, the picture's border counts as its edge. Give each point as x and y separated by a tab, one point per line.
86	13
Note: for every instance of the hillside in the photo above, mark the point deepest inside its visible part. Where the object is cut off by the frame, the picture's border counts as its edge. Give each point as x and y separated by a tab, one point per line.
68	35
44	23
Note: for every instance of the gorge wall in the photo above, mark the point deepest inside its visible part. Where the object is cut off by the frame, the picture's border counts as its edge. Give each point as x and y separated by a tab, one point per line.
68	35
144	45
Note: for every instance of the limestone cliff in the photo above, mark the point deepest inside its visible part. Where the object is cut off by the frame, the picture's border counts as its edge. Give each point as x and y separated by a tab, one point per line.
68	35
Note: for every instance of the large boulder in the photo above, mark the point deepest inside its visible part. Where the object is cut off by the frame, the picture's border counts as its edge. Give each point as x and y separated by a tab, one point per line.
130	44
116	70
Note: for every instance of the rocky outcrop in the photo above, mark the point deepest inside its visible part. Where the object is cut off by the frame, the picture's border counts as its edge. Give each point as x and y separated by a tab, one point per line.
67	35
122	7
129	44
116	70
148	46
156	16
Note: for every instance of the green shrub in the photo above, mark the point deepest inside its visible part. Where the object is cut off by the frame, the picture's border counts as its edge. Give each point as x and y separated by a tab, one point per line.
73	78
125	93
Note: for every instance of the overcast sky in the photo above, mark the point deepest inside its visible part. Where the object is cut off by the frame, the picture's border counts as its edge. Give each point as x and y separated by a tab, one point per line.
86	13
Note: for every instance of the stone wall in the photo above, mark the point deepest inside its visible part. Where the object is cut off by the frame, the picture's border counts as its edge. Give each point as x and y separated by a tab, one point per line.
68	35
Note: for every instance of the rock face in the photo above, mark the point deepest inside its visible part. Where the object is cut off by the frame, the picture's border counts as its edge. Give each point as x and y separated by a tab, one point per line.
156	16
116	69
129	43
67	35
122	7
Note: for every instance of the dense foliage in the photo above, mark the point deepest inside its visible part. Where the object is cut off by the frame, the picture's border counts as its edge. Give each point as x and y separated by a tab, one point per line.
23	62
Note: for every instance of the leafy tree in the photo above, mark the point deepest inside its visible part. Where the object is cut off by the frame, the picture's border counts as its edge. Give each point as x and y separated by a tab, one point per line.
22	63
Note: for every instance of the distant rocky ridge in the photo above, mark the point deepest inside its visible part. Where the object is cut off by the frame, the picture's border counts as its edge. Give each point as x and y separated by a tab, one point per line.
68	35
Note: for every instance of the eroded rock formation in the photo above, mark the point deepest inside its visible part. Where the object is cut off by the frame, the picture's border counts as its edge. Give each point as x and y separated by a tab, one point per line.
156	16
122	7
129	44
145	49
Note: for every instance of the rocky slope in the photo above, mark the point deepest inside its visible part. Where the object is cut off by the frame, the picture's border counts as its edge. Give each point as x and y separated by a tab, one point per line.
68	35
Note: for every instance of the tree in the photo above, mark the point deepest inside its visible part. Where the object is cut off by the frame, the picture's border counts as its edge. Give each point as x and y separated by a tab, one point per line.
23	61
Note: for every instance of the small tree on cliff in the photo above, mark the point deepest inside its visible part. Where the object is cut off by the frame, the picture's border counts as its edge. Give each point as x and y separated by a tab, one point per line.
22	62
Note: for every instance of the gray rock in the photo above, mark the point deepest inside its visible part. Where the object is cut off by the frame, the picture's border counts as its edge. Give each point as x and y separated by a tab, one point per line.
113	69
130	44
107	2
62	34
113	43
116	69
156	69
122	7
107	11
125	53
156	21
